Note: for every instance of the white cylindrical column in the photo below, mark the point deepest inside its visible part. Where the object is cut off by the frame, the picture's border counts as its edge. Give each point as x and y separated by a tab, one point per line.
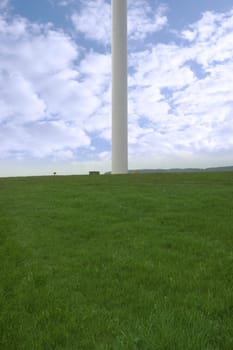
119	88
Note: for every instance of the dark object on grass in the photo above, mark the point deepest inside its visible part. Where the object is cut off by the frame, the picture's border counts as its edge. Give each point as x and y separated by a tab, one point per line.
94	173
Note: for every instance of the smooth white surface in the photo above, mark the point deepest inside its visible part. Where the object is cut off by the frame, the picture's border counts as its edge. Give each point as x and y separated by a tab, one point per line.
119	88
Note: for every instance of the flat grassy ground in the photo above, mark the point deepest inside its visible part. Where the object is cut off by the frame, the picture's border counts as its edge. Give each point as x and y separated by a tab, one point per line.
117	262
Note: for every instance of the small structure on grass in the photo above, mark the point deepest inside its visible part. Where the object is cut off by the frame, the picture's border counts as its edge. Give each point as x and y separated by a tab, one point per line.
94	173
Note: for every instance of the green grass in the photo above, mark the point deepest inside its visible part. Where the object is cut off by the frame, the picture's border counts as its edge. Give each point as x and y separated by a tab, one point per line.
117	262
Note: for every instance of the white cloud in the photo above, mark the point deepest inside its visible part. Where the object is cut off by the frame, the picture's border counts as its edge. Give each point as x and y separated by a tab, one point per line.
144	19
211	37
204	28
45	139
94	20
46	97
162	66
18	102
192	115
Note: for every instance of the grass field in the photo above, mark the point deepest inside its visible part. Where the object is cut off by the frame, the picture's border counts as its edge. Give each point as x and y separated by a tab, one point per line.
117	262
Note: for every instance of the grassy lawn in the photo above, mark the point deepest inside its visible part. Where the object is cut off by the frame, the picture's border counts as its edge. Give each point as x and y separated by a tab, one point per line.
117	262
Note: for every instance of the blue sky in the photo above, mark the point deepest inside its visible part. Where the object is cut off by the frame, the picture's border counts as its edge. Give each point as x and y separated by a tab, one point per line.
55	85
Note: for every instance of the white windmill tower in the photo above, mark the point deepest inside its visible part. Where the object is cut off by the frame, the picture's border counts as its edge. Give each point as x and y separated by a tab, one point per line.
119	88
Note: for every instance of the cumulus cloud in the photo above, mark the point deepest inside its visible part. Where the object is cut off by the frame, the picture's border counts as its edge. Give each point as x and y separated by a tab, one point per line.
19	102
211	37
46	96
93	20
180	110
144	19
53	139
210	25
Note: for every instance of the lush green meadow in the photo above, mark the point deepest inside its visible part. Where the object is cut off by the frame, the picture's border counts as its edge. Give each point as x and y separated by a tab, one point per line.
117	262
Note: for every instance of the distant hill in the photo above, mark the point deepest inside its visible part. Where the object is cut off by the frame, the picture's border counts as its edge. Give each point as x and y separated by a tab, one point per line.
185	170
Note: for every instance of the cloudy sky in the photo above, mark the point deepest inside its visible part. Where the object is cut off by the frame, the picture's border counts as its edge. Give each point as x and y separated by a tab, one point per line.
55	85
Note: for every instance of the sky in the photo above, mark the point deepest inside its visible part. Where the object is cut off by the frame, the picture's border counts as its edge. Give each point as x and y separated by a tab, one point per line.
55	85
